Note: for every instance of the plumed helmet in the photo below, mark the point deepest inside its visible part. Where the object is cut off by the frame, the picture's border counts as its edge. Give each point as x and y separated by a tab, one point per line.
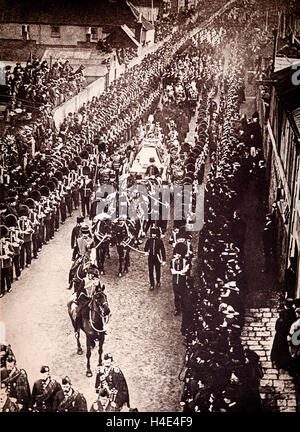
51	185
88	148
180	248
11	221
73	165
30	203
3	231
23	211
84	154
35	194
190	168
86	170
78	160
54	180
65	171
59	175
45	191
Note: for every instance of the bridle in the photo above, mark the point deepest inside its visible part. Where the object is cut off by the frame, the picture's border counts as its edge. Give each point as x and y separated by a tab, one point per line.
104	317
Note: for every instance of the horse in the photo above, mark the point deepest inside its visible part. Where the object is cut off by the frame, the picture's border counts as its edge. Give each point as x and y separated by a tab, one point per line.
90	314
102	238
124	237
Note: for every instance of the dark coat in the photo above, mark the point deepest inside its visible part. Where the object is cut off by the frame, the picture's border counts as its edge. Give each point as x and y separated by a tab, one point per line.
10	406
155	247
74	403
43	399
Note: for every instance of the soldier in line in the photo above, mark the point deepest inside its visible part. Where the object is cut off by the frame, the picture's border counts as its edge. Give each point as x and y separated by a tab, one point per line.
6	259
44	391
156	257
16	242
85	189
25	227
6	404
179	269
103	403
110	378
17	383
68	399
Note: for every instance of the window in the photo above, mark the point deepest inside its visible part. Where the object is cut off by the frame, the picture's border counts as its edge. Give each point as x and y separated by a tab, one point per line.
94	34
55	31
25	31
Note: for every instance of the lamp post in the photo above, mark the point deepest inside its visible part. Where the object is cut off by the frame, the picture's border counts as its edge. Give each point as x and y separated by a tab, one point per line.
152	12
108	70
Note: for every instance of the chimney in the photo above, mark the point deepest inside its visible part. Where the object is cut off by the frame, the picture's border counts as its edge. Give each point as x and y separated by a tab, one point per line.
138	31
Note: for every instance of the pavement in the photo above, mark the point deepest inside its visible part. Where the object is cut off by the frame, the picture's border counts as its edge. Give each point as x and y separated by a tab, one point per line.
143	335
263	300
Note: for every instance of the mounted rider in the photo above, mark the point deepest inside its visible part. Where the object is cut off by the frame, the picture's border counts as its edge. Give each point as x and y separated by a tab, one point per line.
87	287
76	233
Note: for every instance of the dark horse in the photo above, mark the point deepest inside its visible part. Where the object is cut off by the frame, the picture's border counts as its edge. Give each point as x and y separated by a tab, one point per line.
123	237
90	315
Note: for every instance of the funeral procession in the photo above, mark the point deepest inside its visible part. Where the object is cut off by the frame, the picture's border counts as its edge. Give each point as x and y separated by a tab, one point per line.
150	207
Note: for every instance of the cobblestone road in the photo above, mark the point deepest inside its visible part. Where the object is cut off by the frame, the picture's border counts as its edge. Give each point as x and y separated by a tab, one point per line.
143	335
276	388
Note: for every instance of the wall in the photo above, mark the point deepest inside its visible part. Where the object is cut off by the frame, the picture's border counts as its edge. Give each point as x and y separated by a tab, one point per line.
69	35
147	13
282	168
72	105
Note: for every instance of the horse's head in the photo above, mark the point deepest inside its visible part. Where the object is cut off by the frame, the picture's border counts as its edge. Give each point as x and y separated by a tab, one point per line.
99	303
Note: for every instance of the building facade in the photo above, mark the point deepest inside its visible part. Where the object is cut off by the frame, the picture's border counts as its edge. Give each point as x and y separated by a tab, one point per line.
281	127
69	25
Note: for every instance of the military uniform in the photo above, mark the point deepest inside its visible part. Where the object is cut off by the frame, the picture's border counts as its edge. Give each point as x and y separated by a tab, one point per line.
25	227
85	189
17	386
179	269
43	395
157	255
113	380
98	407
6	257
10	406
75	402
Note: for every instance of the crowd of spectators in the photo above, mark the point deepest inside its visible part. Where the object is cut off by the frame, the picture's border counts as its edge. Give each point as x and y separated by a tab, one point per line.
220	374
38	85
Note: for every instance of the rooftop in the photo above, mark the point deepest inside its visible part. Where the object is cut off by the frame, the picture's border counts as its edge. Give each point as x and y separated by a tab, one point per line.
67	12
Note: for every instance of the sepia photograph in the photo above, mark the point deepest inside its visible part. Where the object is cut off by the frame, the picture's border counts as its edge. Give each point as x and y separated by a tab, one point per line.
150	209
